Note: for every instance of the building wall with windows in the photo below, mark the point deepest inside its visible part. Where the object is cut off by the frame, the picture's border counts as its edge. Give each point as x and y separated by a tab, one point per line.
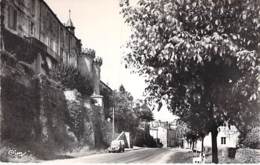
34	20
227	137
33	32
163	132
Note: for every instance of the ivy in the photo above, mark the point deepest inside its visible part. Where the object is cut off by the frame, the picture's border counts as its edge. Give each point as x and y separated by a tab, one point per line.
71	78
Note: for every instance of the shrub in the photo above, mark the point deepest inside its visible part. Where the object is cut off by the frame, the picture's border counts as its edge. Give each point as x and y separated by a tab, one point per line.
246	155
71	78
142	139
252	139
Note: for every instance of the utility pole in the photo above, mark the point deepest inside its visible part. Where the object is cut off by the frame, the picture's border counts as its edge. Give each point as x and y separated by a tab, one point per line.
113	125
113	116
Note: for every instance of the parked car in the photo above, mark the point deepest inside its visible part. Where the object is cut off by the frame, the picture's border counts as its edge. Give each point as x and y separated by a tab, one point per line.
117	146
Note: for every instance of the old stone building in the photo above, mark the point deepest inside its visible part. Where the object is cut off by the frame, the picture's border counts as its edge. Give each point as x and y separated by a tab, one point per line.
33	107
228	137
163	132
31	23
31	29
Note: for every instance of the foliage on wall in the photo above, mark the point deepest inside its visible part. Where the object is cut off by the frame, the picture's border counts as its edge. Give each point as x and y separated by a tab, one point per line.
76	116
32	110
98	123
107	101
19	46
71	78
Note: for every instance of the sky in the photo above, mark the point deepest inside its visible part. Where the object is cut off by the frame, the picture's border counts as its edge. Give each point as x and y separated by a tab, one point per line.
100	27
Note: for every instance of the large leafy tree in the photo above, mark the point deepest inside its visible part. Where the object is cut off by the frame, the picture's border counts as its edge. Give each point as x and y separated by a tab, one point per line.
125	117
198	55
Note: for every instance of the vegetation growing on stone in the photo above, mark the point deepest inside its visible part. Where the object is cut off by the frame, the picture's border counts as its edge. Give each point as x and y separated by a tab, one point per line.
71	78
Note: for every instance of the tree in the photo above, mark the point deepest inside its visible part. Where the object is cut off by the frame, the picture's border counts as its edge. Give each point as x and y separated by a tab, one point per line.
199	56
122	89
191	130
180	131
196	122
125	118
143	111
250	122
145	115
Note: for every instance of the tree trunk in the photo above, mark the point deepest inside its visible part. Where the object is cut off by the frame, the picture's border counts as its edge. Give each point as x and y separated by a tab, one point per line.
214	134
192	145
202	145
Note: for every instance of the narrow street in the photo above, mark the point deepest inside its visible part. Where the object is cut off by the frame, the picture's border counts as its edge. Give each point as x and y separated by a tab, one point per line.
143	155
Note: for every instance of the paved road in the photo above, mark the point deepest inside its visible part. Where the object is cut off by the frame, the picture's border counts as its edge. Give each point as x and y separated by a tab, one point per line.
144	155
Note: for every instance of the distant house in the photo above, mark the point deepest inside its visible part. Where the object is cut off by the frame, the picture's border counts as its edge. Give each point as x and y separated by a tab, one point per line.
163	132
227	138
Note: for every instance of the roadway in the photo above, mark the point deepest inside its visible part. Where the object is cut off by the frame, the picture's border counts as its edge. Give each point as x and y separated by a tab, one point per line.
142	155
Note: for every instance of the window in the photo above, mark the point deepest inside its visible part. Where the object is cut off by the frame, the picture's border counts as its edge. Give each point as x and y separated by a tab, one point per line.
12	18
223	140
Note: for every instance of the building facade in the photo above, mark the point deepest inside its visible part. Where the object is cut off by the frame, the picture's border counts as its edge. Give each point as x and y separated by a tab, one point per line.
227	138
35	35
163	132
31	26
36	41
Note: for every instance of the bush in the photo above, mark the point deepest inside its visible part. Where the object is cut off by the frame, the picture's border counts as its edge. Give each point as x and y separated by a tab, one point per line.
71	78
252	139
232	152
144	140
246	155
